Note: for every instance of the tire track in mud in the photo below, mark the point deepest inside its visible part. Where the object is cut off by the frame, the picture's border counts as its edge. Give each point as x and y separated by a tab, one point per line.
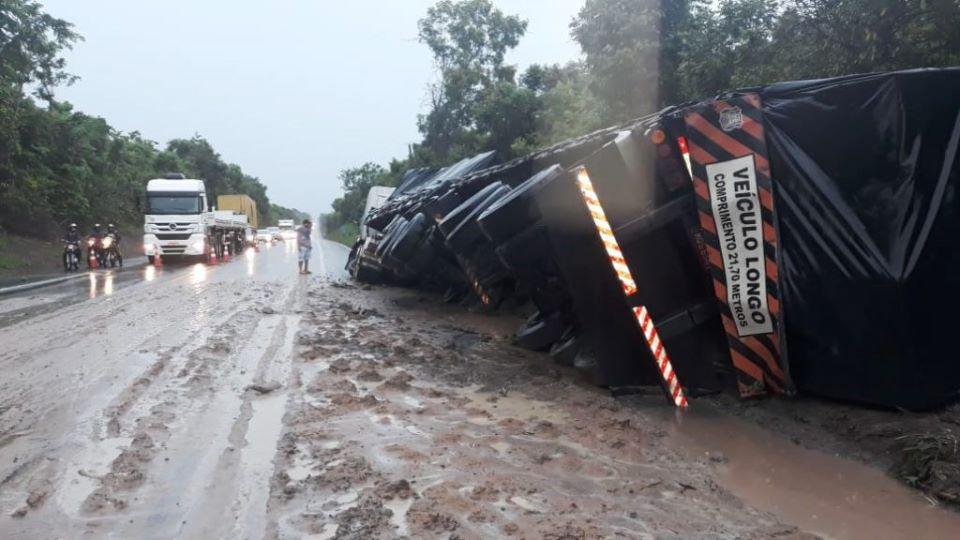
77	469
206	482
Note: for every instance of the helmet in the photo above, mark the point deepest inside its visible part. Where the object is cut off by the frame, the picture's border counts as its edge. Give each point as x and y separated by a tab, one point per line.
73	226
111	227
96	225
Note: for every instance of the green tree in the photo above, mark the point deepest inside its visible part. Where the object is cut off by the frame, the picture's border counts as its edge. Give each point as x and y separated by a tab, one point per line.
356	182
469	40
31	42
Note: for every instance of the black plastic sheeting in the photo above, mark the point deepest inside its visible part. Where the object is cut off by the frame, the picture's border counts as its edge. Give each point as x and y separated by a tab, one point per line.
866	174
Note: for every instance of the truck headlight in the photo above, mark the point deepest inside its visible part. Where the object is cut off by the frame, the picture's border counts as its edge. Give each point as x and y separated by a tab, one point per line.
198	245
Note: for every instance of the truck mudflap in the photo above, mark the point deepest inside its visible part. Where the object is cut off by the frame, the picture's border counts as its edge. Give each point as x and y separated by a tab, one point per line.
724	141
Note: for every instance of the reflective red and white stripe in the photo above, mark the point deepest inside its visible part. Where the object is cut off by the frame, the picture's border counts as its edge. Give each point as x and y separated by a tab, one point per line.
606	233
660	353
630	287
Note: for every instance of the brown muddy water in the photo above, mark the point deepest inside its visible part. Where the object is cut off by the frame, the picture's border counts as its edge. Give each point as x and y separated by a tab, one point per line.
821	493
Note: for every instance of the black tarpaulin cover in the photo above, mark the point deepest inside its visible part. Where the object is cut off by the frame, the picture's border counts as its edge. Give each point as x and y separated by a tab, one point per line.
865	173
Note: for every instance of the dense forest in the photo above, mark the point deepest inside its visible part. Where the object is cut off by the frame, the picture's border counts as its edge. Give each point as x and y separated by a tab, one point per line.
637	57
58	165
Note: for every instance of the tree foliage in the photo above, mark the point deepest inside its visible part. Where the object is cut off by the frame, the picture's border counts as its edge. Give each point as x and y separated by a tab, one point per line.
356	182
469	41
58	165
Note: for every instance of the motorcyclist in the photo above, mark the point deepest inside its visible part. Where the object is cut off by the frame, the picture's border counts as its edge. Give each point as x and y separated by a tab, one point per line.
115	232
72	237
73	234
93	250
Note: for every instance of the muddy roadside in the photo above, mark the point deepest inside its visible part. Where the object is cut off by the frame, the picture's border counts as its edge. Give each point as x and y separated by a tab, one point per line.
921	450
411	418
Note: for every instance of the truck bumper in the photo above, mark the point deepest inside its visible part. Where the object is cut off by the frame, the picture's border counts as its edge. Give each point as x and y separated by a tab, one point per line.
195	244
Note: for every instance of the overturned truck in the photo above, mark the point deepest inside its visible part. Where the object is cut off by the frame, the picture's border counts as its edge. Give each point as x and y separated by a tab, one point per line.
796	237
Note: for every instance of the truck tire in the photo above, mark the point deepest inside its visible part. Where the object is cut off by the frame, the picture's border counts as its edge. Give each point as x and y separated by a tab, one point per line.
438	208
468	232
151	259
540	332
530	247
388	233
458	214
517	210
409	240
564	351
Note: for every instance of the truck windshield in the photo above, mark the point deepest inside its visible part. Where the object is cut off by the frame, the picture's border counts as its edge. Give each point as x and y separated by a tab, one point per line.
173	204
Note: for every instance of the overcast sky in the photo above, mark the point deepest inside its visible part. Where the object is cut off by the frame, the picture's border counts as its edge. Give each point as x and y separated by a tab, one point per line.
293	91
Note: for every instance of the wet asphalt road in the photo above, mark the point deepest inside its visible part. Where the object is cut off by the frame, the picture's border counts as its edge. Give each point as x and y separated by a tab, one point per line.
104	373
270	262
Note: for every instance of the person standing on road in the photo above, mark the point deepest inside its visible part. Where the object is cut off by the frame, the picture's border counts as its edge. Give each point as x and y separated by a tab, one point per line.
304	246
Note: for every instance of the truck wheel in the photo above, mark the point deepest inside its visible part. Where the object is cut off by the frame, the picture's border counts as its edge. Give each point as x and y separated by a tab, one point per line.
410	238
564	352
468	232
518	210
151	259
540	331
458	214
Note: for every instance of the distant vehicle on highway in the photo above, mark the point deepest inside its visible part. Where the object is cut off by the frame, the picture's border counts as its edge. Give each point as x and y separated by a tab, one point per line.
277	235
287	229
264	235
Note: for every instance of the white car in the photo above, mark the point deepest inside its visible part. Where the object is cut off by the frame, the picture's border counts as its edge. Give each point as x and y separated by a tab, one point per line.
264	235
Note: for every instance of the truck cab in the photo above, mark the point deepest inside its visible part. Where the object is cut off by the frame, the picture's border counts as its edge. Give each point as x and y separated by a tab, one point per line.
175	218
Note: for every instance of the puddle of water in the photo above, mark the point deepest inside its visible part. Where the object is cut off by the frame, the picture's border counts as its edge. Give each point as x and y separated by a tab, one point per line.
81	475
299	472
399	509
413	402
525	504
818	492
501	447
328	532
514	406
331	445
416	431
263	432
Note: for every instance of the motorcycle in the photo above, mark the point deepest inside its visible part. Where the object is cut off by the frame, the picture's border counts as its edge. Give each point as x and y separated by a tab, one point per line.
94	253
71	256
111	252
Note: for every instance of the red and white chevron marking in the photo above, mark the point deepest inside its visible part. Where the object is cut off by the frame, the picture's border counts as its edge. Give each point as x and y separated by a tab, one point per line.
606	233
660	353
630	287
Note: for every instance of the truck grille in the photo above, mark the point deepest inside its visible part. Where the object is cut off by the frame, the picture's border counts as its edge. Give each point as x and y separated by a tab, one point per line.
173	250
167	225
173	236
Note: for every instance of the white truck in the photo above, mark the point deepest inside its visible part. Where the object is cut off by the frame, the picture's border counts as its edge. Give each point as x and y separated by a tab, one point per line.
375	199
178	224
288	229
